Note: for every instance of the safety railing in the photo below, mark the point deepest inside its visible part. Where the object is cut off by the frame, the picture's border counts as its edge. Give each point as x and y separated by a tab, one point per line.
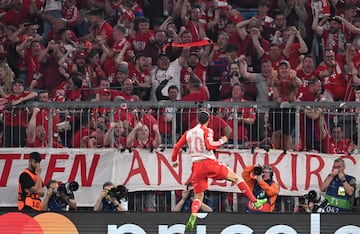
294	126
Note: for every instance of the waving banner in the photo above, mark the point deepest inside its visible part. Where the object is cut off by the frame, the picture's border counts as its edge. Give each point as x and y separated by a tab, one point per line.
139	170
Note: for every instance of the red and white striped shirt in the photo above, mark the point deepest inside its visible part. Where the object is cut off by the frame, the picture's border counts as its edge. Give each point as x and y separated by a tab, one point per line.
71	15
200	141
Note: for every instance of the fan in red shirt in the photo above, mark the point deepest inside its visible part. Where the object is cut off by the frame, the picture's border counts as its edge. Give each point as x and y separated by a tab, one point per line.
198	64
111	56
30	51
99	26
306	70
217	124
103	88
165	115
292	48
81	138
141	39
93	74
228	80
194	25
16	118
285	86
69	90
140	137
283	79
15	14
44	115
70	13
336	143
118	139
195	94
36	133
127	92
309	119
246	116
331	72
332	37
275	55
140	75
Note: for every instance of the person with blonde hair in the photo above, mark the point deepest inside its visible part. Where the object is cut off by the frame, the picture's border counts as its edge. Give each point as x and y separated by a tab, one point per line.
6	79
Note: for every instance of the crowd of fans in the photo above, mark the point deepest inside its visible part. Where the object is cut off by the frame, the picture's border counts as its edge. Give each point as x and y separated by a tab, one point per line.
280	51
184	50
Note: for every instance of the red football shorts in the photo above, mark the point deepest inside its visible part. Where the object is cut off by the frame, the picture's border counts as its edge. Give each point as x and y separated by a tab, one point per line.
202	170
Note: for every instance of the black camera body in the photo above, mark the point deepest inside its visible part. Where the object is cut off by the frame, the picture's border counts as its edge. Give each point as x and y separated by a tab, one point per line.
320	202
190	194
258	170
119	192
67	188
315	197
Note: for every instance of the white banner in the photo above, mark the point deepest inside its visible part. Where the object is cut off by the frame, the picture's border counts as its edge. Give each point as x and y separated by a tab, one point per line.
296	173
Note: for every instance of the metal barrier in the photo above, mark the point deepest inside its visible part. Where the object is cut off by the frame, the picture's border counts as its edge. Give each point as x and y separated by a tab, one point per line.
253	125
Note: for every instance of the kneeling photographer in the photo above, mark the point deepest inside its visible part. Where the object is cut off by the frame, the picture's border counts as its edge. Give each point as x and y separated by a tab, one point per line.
112	198
60	197
262	186
187	196
314	202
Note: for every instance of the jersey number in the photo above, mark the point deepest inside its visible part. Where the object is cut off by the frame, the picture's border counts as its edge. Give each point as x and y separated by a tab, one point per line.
197	146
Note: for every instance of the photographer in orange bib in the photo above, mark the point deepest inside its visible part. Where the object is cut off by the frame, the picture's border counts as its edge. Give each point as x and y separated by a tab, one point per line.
31	185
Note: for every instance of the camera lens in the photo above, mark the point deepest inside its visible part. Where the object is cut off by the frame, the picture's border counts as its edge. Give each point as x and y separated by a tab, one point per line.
258	170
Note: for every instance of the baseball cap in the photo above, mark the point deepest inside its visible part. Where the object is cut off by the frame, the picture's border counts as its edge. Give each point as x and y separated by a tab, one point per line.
123	68
161	55
35	156
284	62
335	19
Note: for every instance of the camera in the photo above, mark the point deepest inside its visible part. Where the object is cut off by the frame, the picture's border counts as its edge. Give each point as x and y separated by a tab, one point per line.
50	51
67	188
320	202
258	170
315	197
119	192
190	194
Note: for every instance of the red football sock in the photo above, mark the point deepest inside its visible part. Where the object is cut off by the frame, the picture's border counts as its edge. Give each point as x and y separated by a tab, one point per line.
195	206
246	190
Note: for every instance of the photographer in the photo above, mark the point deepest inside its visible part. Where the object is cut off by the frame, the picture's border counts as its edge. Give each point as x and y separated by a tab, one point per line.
187	198
262	186
31	185
112	198
60	197
313	202
339	188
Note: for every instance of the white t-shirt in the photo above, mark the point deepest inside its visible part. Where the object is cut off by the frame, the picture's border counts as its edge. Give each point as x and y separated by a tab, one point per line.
158	75
52	5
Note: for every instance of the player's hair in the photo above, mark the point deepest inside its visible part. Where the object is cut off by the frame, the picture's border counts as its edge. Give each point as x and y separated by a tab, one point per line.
203	117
